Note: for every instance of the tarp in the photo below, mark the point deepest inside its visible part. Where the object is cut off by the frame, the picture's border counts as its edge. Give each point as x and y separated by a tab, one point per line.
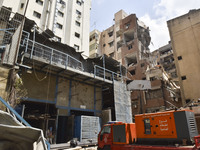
14	135
123	111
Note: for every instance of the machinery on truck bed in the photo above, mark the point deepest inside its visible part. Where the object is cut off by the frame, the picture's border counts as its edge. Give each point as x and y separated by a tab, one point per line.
175	130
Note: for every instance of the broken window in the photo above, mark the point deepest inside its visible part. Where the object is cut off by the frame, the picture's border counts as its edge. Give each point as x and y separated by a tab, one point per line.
127	25
129	36
111	44
130	46
179	57
183	78
112	55
132	72
152	78
131	60
110	33
119	44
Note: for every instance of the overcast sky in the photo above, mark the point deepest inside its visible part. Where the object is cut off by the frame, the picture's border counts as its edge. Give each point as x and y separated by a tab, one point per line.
154	13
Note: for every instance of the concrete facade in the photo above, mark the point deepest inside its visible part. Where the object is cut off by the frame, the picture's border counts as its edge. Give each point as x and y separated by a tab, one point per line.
69	20
127	42
94	43
164	57
185	38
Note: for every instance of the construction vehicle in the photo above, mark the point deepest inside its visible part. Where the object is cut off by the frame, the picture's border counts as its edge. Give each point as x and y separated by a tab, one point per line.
171	130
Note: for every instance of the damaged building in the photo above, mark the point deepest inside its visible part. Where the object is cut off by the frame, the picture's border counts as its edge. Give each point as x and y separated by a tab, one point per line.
61	89
127	41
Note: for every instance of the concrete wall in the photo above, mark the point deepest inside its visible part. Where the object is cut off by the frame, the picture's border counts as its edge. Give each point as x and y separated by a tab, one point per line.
63	92
185	38
38	87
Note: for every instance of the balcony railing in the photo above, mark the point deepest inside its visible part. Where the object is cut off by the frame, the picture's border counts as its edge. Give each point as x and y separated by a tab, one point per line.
51	55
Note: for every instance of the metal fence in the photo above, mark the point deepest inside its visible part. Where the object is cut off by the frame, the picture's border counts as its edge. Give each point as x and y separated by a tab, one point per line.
106	74
52	56
9	19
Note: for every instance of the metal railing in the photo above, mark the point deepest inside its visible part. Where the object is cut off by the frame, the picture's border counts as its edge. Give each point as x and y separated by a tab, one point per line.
9	19
6	35
51	55
106	74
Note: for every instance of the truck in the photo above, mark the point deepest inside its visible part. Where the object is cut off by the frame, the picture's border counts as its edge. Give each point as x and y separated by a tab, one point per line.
170	130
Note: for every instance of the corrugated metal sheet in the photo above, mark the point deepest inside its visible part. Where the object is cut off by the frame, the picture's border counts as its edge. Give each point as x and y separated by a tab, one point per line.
123	111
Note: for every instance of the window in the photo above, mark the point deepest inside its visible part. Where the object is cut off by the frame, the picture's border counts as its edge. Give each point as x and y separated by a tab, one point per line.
22	5
77	35
127	25
130	47
179	57
61	14
132	72
78	2
144	78
76	47
58	25
40	2
110	33
111	44
183	78
106	130
147	126
104	45
36	14
152	78
78	23
104	35
142	65
78	12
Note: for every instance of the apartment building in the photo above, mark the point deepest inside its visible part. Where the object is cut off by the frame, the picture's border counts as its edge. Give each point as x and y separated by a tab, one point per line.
164	56
94	43
185	38
68	20
127	41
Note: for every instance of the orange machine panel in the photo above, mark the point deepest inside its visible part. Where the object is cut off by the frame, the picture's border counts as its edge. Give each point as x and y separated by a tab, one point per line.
156	125
124	133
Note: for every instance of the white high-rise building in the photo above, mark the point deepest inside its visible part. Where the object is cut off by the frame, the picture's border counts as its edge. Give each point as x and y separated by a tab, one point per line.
68	19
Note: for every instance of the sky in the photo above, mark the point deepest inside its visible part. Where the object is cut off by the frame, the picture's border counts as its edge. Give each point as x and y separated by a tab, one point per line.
154	13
